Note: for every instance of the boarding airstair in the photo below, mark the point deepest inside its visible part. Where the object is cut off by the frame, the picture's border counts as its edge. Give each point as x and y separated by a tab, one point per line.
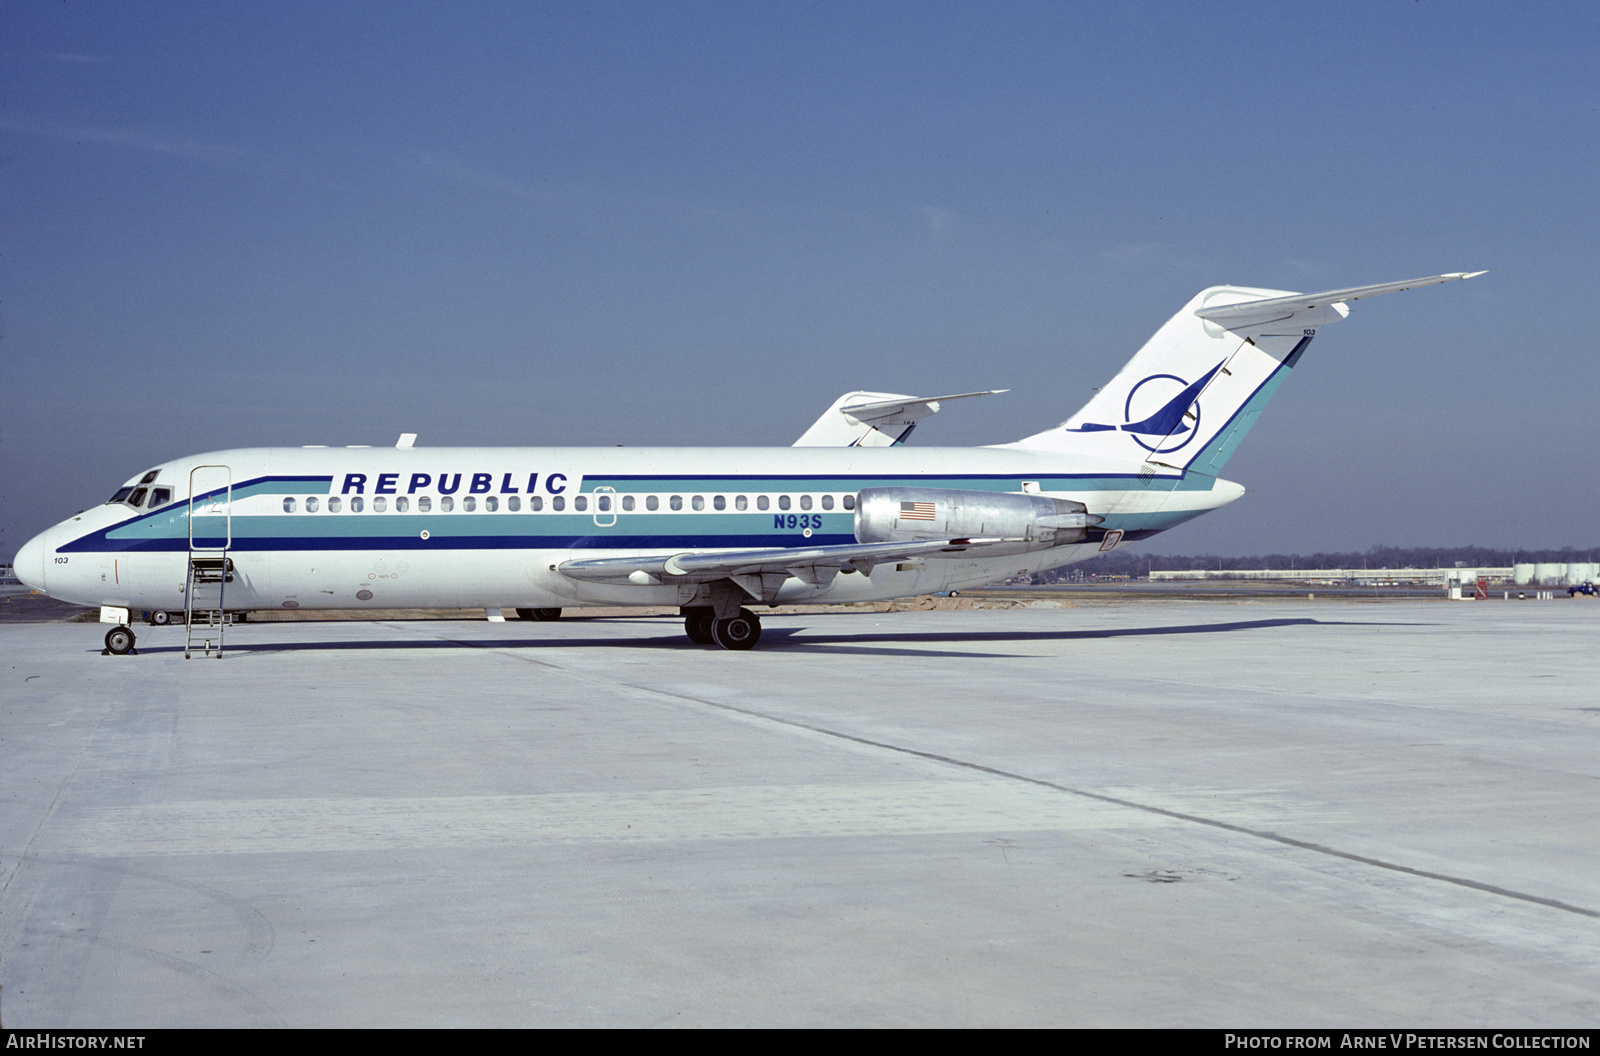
205	616
205	612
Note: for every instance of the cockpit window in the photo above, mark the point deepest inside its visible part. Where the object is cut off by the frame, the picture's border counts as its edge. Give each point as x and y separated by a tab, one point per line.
122	493
137	498
160	497
150	477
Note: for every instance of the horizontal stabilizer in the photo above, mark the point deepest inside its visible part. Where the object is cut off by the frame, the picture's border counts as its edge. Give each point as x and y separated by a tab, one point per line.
1271	309
908	408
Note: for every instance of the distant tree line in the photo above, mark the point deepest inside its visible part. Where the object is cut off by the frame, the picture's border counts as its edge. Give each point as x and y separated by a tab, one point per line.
1134	564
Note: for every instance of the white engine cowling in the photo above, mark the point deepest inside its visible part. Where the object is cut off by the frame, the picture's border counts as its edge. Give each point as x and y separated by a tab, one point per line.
1016	523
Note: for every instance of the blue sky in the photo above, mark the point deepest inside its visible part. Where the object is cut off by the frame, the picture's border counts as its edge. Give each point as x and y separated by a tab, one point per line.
280	224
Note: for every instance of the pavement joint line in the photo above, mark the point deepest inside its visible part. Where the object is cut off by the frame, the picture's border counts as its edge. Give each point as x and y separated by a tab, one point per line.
1260	834
1197	819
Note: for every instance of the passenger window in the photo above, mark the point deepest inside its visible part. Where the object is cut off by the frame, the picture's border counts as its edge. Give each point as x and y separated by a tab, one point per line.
580	503
783	502
558	503
676	502
805	502
535	503
719	503
849	502
311	504
446	504
490	504
741	503
469	504
160	497
333	504
137	498
827	502
357	504
698	502
424	504
627	504
401	504
379	504
652	502
762	502
288	505
603	503
514	503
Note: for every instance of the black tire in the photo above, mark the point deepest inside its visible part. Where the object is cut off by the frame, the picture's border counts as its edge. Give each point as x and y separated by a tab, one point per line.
697	625
547	614
524	614
160	618
737	632
119	641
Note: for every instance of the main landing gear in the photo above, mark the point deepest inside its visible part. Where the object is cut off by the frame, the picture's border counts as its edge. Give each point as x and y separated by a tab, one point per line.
539	614
120	641
741	631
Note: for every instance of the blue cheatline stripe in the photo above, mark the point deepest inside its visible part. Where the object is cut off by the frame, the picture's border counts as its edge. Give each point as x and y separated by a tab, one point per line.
528	542
466	542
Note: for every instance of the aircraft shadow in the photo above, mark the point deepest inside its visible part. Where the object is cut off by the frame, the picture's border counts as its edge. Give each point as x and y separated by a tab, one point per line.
786	639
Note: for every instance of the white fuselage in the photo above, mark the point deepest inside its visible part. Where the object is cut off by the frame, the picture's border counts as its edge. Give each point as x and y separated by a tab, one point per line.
319	528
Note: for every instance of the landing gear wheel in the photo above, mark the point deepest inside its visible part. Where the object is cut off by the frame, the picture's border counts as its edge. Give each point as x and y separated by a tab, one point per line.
737	632
547	614
119	641
697	625
160	618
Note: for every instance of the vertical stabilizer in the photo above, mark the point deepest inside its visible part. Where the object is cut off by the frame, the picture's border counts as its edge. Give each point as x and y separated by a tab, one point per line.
1194	390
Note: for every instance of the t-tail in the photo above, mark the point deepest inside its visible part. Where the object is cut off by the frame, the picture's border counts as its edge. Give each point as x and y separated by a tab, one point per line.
1195	389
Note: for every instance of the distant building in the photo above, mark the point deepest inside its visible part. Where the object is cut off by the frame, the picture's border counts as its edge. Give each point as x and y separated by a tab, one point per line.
1436	577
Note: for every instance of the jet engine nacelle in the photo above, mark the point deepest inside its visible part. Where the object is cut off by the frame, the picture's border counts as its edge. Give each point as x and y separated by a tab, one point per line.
1012	523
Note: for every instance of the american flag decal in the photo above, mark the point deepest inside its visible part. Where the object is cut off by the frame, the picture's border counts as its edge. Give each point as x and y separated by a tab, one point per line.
916	511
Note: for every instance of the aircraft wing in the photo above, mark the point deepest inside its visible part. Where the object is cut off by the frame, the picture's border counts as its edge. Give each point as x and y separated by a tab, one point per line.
807	562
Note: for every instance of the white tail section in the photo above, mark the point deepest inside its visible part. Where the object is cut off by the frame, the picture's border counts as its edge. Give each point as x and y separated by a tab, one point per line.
1193	391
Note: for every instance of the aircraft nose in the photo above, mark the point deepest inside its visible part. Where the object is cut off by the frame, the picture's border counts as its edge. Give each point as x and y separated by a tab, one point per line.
29	563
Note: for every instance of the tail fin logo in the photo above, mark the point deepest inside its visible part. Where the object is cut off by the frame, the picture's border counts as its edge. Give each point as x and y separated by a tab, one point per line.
1162	412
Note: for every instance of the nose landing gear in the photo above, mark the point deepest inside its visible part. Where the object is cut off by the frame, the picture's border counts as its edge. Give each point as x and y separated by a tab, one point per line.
120	642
